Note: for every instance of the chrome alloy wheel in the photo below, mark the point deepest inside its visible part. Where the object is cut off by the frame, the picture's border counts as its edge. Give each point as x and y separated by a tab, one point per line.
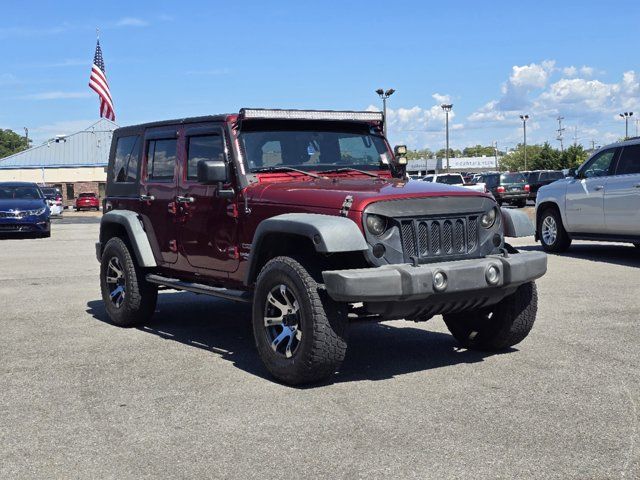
116	282
549	230
282	321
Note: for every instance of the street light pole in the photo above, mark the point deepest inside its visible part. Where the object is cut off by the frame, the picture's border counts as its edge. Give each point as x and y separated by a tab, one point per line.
384	95
626	116
524	119
26	135
447	108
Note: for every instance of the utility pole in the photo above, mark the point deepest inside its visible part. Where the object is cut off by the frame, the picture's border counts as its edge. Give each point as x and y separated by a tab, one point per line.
524	119
593	144
637	123
447	108
495	149
384	95
26	135
560	130
575	136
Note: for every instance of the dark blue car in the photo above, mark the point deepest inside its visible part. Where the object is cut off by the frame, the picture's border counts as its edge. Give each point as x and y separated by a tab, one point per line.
23	209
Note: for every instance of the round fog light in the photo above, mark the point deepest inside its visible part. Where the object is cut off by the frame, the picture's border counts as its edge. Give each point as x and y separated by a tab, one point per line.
493	275
439	280
378	250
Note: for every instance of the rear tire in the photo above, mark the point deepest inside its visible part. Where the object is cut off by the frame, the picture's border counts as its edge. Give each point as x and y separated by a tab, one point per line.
300	333
497	327
553	237
129	299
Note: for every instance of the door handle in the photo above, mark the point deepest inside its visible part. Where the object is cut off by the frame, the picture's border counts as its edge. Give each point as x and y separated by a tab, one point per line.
147	198
180	199
597	188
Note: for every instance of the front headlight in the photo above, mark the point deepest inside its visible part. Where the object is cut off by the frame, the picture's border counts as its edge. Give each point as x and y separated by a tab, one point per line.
376	224
488	219
40	211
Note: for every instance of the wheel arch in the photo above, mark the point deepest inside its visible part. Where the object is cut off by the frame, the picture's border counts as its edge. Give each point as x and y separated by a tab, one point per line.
301	234
127	225
541	208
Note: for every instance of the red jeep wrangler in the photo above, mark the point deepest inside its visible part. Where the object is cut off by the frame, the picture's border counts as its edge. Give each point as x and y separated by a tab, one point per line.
309	216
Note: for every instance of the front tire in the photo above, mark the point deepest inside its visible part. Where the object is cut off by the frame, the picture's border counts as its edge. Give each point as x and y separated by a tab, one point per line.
553	237
300	333
129	299
497	327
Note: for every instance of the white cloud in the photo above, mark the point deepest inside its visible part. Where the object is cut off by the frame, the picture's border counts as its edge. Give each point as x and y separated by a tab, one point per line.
531	76
57	95
131	22
570	71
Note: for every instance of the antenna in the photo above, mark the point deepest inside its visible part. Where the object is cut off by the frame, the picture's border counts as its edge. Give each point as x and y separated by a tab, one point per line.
97	34
560	130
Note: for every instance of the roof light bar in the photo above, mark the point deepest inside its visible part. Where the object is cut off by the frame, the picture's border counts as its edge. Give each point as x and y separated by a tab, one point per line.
277	114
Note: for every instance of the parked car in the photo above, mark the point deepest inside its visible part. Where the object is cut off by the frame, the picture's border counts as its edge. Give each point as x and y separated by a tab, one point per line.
87	201
540	178
308	216
23	209
455	179
508	187
600	201
54	200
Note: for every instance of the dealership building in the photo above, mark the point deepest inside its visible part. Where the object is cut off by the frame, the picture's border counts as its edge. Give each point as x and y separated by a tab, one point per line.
423	166
73	163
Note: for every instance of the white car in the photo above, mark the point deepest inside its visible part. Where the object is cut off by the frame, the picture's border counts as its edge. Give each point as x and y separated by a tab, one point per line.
454	179
54	200
600	201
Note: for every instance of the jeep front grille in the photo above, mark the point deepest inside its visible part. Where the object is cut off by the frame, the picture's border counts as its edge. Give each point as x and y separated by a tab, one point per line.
440	237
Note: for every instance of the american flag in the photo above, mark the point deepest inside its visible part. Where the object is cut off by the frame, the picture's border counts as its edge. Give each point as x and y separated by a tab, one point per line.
98	83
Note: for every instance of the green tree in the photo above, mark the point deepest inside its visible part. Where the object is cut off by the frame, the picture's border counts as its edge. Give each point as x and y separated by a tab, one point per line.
452	153
479	151
573	157
422	153
11	142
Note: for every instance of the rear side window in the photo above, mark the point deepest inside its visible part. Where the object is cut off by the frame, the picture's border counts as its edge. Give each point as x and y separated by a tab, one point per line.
512	178
205	147
161	160
125	165
629	160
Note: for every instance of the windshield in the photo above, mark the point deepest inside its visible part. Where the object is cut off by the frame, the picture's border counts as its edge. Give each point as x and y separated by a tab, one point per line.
512	178
84	195
19	193
319	148
449	179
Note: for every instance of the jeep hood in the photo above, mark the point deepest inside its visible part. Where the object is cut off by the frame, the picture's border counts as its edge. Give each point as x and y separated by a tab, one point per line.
331	193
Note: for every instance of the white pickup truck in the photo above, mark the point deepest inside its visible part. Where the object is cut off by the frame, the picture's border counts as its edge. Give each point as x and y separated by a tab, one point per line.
454	179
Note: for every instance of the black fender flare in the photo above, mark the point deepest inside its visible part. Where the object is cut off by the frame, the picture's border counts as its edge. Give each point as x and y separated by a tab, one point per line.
328	234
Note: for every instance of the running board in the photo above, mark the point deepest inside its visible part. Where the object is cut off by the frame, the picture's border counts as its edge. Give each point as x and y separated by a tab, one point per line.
235	295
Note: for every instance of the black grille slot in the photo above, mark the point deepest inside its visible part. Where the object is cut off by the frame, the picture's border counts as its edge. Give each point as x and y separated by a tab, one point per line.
440	237
407	239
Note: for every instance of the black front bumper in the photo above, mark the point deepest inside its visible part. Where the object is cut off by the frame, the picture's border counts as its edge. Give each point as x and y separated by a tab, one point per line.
407	283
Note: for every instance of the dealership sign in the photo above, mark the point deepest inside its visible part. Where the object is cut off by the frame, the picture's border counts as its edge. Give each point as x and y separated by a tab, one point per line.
462	163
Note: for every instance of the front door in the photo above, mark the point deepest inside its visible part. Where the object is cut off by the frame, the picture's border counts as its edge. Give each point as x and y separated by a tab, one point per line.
158	191
622	195
208	227
585	194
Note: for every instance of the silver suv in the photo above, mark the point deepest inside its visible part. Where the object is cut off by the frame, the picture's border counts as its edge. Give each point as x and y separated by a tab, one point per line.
598	201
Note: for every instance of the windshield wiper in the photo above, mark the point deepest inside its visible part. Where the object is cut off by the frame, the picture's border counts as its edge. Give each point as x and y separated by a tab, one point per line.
283	169
349	169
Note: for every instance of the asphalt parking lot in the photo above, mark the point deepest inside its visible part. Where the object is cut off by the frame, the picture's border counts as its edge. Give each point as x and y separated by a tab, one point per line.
186	396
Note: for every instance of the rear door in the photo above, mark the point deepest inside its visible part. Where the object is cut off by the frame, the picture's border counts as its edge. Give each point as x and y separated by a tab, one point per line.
158	187
622	194
585	195
208	225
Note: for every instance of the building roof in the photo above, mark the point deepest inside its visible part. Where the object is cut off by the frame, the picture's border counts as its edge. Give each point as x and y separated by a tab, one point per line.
87	148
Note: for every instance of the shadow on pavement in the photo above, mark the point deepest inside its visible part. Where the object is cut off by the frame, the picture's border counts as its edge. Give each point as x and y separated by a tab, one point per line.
376	351
616	254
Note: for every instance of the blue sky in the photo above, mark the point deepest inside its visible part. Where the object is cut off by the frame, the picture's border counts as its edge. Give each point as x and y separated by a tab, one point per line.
492	60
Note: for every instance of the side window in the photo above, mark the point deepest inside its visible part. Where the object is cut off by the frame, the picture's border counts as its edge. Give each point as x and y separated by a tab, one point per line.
125	164
599	165
629	160
161	160
205	147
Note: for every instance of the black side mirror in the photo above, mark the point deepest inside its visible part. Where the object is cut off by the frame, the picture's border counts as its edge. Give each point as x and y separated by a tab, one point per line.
211	172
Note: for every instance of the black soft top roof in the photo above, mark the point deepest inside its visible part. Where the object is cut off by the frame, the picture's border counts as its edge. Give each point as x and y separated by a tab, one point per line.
132	129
